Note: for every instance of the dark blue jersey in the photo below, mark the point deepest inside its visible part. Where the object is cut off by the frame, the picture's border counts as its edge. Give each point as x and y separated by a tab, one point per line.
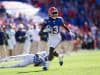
54	24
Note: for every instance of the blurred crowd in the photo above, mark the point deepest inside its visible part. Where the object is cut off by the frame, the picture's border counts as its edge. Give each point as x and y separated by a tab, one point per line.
81	16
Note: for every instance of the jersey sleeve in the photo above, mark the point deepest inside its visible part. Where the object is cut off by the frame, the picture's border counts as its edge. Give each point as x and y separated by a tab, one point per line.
62	21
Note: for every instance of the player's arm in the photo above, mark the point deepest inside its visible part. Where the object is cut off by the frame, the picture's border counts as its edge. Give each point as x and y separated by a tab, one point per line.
43	25
63	25
66	28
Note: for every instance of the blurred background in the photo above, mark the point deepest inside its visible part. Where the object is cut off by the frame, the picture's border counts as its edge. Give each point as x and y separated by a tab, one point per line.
81	16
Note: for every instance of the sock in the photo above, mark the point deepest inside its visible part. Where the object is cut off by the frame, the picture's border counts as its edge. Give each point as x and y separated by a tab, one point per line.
50	57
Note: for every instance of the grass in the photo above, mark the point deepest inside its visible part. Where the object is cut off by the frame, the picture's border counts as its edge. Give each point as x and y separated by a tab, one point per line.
80	63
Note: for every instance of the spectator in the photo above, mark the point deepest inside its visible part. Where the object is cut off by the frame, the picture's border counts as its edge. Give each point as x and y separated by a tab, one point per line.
90	41
98	38
3	43
20	39
11	39
2	10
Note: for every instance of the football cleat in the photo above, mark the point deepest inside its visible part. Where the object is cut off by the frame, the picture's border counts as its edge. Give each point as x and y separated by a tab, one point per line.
61	63
45	68
61	60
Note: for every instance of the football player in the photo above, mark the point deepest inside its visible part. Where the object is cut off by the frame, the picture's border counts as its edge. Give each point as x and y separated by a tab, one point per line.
53	25
38	59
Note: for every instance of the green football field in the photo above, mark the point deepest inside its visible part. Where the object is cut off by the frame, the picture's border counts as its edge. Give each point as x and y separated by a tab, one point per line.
79	63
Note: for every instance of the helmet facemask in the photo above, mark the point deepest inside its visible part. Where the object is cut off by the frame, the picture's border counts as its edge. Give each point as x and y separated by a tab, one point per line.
53	12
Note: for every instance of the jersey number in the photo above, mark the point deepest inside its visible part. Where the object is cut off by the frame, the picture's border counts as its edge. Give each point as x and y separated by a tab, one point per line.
54	29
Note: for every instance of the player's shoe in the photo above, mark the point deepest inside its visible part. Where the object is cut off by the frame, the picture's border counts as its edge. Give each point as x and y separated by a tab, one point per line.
46	65
60	60
45	68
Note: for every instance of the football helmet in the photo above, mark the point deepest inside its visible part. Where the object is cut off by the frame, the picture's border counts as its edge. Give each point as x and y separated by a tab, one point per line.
53	12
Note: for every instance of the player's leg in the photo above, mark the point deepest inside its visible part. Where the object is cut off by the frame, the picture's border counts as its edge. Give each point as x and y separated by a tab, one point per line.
59	53
23	63
22	60
46	65
53	42
26	60
51	54
56	54
60	56
61	60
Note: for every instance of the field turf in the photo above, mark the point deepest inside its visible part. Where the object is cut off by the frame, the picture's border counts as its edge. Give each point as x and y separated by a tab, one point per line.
78	63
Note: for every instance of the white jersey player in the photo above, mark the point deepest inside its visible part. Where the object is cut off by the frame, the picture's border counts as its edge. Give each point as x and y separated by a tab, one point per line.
39	59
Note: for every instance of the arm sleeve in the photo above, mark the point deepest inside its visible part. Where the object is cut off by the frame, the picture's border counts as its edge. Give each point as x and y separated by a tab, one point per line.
63	25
